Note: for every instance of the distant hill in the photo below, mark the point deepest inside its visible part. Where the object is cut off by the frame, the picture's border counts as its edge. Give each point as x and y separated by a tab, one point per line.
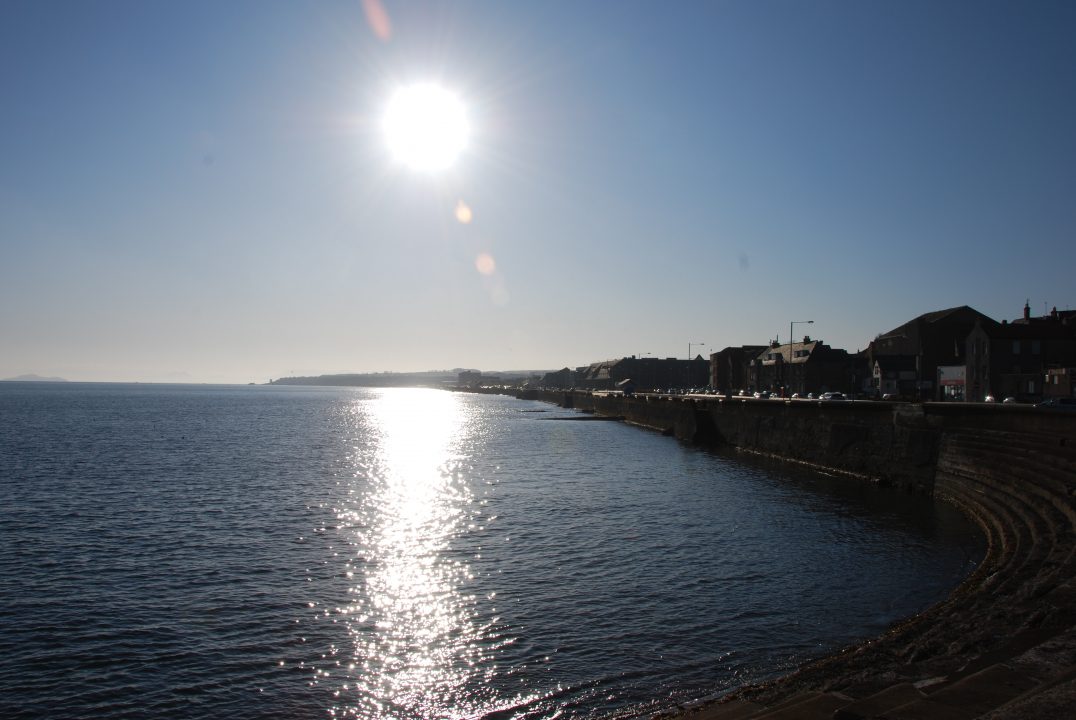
430	378
34	378
388	379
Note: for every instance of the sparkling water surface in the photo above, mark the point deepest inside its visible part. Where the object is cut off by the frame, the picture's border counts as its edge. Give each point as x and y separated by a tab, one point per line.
296	552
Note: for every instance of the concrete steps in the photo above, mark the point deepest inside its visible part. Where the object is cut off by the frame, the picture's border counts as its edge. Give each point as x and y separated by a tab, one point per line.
878	704
732	710
1029	512
1003	646
805	706
998	692
1021	488
969	698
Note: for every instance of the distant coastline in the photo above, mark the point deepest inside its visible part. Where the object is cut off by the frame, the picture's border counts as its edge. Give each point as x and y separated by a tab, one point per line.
30	377
429	378
386	379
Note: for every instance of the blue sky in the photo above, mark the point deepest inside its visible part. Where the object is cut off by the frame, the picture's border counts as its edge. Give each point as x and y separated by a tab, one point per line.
201	191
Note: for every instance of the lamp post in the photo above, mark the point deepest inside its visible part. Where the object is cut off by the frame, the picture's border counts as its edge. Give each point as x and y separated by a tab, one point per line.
792	339
689	360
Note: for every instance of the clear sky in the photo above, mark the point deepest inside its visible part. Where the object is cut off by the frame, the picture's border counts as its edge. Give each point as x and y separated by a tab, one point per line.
201	191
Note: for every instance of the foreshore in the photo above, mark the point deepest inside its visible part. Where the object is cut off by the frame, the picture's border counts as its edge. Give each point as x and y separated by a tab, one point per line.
1003	645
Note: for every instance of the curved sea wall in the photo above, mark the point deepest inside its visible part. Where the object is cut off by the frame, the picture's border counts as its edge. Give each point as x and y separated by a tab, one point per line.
895	443
1003	645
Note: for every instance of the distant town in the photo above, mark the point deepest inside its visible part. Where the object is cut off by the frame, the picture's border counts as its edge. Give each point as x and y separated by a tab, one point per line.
958	354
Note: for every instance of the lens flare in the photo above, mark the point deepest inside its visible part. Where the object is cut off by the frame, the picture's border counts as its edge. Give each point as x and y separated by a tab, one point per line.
463	213
378	19
485	264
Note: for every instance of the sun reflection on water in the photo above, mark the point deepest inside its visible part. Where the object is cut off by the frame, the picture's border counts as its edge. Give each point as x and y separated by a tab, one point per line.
417	640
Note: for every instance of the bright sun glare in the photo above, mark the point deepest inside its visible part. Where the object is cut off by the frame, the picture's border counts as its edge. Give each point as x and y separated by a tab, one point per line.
425	127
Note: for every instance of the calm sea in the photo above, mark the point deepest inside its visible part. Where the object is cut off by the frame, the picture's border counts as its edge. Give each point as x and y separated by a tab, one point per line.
276	552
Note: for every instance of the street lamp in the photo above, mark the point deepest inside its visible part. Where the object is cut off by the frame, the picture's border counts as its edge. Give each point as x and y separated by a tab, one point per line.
792	339
688	370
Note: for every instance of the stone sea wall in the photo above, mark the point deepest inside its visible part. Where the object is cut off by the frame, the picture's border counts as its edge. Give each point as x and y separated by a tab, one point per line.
896	443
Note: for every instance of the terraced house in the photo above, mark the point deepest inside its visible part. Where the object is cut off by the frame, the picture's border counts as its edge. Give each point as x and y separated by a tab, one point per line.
913	359
809	366
1025	359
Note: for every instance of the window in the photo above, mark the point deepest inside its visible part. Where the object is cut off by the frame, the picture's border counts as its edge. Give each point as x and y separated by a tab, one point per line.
1015	347
1030	386
1035	347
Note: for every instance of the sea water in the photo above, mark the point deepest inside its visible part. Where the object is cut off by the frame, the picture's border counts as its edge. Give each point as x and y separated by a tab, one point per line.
299	552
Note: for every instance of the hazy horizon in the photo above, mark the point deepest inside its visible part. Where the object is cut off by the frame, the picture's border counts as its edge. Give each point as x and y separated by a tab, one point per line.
179	379
203	192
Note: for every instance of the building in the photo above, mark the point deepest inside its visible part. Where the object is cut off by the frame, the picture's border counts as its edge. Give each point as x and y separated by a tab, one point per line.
906	359
809	366
894	375
645	373
1060	382
469	379
729	368
1021	358
562	379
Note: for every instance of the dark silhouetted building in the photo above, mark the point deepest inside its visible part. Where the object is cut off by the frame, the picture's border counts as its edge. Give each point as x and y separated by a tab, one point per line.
906	360
562	379
804	367
645	373
1025	359
729	368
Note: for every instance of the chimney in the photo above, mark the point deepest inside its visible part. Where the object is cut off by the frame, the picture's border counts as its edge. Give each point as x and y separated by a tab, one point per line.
1027	310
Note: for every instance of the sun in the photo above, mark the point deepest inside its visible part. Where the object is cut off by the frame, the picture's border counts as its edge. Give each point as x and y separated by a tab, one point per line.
425	127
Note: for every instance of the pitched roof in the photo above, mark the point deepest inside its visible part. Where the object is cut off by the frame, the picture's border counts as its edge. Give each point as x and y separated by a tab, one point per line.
937	315
788	350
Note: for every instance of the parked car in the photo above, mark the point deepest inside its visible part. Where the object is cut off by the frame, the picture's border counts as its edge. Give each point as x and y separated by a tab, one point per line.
990	399
762	394
1058	403
832	396
1009	401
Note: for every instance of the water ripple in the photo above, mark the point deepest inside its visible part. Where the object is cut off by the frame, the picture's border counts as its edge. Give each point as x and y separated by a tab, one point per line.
297	552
